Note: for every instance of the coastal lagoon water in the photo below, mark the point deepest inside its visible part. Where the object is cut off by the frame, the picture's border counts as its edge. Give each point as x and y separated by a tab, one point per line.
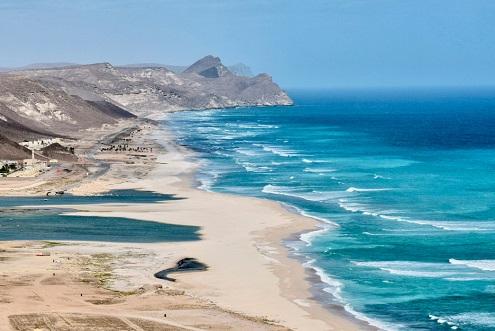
402	183
39	221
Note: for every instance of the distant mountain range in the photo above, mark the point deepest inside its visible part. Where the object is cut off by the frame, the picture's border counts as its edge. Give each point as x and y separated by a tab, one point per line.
63	99
239	69
39	66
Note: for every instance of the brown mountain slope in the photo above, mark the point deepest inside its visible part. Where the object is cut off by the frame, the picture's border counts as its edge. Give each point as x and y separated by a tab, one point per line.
11	128
149	92
10	150
30	108
66	101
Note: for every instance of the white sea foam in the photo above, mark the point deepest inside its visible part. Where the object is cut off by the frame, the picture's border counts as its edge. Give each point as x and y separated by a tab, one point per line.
319	170
455	225
274	189
335	289
307	161
214	133
392	218
485	265
374	234
251	167
443	321
207	129
313	216
233	135
308	237
207	181
222	154
423	274
253	126
350	206
277	163
356	207
355	189
277	150
309	196
246	151
485	320
325	225
380	325
389	264
415	269
442	225
371	162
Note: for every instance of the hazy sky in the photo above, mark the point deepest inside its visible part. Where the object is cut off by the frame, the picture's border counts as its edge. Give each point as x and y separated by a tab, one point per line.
301	43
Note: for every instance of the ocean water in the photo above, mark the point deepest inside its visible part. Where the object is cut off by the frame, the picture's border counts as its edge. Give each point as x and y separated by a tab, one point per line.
402	184
33	218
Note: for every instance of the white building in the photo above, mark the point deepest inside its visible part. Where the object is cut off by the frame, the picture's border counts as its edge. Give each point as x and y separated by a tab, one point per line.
40	143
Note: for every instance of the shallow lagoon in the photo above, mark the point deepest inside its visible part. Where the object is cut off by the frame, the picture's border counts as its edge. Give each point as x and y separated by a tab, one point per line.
46	223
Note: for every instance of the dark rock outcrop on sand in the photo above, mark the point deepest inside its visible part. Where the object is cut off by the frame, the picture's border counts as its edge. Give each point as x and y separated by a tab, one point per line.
184	265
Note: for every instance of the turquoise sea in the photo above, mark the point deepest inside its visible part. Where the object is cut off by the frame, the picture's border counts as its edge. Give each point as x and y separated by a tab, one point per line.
402	184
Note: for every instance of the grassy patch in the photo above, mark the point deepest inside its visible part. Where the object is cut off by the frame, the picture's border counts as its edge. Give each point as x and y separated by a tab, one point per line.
49	244
98	269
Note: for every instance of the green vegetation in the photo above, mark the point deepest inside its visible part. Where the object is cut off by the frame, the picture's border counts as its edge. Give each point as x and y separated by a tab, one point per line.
8	168
48	244
98	269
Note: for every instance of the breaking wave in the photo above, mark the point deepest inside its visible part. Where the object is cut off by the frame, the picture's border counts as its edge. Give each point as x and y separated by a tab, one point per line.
309	196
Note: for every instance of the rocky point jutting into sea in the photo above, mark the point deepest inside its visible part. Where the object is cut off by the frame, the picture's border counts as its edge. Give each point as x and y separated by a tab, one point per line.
62	101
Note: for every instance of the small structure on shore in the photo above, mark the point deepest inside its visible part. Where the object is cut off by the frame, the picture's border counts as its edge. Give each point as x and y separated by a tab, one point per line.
31	167
40	143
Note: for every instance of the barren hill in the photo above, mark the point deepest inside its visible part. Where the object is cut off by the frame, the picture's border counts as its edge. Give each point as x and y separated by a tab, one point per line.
10	150
31	108
63	101
151	91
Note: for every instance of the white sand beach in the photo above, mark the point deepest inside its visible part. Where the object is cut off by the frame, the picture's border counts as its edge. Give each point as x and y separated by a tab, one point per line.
250	272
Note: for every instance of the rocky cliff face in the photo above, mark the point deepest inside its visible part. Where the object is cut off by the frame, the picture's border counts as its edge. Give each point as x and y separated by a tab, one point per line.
59	101
239	69
31	108
208	67
149	92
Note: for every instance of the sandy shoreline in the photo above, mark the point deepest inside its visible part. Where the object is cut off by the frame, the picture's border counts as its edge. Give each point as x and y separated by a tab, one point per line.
250	269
